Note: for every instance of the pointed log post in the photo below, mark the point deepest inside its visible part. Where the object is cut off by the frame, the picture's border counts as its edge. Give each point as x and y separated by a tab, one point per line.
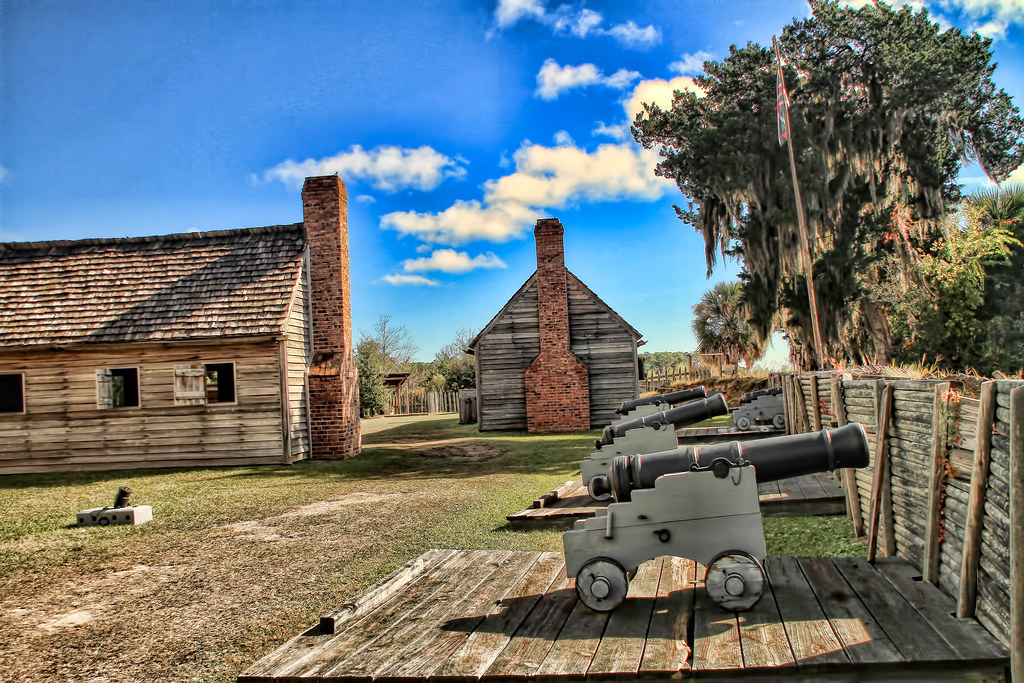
967	599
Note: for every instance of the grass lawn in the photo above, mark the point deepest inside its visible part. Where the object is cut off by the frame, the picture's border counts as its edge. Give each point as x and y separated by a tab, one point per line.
238	560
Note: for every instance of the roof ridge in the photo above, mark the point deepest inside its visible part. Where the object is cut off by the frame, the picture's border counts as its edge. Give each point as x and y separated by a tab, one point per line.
148	239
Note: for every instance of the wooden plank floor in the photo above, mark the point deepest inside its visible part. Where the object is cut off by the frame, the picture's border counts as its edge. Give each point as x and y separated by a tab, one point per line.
814	494
500	615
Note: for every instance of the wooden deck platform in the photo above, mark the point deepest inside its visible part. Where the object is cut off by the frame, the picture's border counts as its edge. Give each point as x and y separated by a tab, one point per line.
501	615
814	494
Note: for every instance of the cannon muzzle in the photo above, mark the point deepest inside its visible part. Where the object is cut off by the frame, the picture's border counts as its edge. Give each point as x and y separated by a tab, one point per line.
670	398
686	414
776	458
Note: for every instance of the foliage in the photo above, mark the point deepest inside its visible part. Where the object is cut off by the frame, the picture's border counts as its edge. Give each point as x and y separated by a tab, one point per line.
457	367
720	325
394	344
373	395
672	360
1002	313
933	301
885	108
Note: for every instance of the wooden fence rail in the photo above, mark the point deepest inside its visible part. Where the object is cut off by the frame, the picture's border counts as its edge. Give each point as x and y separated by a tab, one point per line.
945	487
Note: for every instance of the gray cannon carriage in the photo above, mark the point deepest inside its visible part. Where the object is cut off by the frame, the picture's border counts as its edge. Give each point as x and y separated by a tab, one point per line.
761	406
698	502
647	434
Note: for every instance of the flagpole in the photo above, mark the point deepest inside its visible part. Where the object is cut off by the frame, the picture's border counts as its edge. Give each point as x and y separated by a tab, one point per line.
819	349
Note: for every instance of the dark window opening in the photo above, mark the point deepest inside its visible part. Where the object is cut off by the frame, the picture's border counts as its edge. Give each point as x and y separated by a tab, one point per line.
124	387
12	393
220	382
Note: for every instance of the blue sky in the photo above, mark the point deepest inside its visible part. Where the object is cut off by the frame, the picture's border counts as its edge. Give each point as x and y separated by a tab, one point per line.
454	124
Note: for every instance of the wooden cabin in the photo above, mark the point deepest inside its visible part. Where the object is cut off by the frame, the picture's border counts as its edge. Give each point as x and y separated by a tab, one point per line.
179	350
555	357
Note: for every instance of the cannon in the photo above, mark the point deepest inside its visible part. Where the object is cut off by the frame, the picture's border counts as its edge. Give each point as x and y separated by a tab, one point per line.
761	406
651	404
647	434
751	395
700	503
688	413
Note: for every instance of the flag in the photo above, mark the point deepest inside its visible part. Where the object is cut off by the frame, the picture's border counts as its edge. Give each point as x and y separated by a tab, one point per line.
781	101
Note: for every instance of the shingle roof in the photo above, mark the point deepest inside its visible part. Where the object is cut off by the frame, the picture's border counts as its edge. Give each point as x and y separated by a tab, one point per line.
169	287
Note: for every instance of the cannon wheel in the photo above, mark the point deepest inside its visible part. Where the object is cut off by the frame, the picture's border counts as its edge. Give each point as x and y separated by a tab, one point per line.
743	422
602	584
779	420
735	580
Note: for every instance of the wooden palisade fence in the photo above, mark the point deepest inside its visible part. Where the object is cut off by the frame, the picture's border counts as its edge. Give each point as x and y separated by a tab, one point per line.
405	401
945	488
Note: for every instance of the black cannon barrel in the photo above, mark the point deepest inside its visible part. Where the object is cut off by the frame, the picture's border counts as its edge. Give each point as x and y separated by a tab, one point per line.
671	398
777	458
686	414
751	395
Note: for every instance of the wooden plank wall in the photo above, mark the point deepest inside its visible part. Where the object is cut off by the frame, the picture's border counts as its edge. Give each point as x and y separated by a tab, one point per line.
934	452
62	429
607	349
595	337
503	355
299	354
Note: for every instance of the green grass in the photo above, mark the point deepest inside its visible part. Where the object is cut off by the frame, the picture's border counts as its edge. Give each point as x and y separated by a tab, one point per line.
238	560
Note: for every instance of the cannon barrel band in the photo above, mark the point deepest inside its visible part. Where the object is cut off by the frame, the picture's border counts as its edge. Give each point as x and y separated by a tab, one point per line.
776	458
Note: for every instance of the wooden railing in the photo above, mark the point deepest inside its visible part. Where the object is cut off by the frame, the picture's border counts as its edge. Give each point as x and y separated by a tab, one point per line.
946	483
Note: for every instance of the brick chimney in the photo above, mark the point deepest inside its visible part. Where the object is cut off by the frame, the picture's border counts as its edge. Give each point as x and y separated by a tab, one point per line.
333	382
557	383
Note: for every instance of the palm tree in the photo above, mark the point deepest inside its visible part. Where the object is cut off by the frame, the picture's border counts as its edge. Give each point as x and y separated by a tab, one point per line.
720	325
1002	313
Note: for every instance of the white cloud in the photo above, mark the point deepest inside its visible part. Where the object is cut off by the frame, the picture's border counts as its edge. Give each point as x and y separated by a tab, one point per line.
1005	11
657	91
562	138
616	131
366	199
689	65
631	35
508	12
451	261
4	174
553	79
464	221
993	28
1017	176
545	178
553	177
581	24
565	20
399	280
387	168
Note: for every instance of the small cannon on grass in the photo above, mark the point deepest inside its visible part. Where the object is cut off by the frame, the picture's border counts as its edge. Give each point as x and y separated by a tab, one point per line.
647	434
698	502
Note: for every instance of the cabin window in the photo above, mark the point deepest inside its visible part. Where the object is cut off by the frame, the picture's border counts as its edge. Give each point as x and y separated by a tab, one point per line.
117	388
220	382
201	383
12	393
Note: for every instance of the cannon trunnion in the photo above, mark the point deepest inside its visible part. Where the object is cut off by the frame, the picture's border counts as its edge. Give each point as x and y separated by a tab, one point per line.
700	503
